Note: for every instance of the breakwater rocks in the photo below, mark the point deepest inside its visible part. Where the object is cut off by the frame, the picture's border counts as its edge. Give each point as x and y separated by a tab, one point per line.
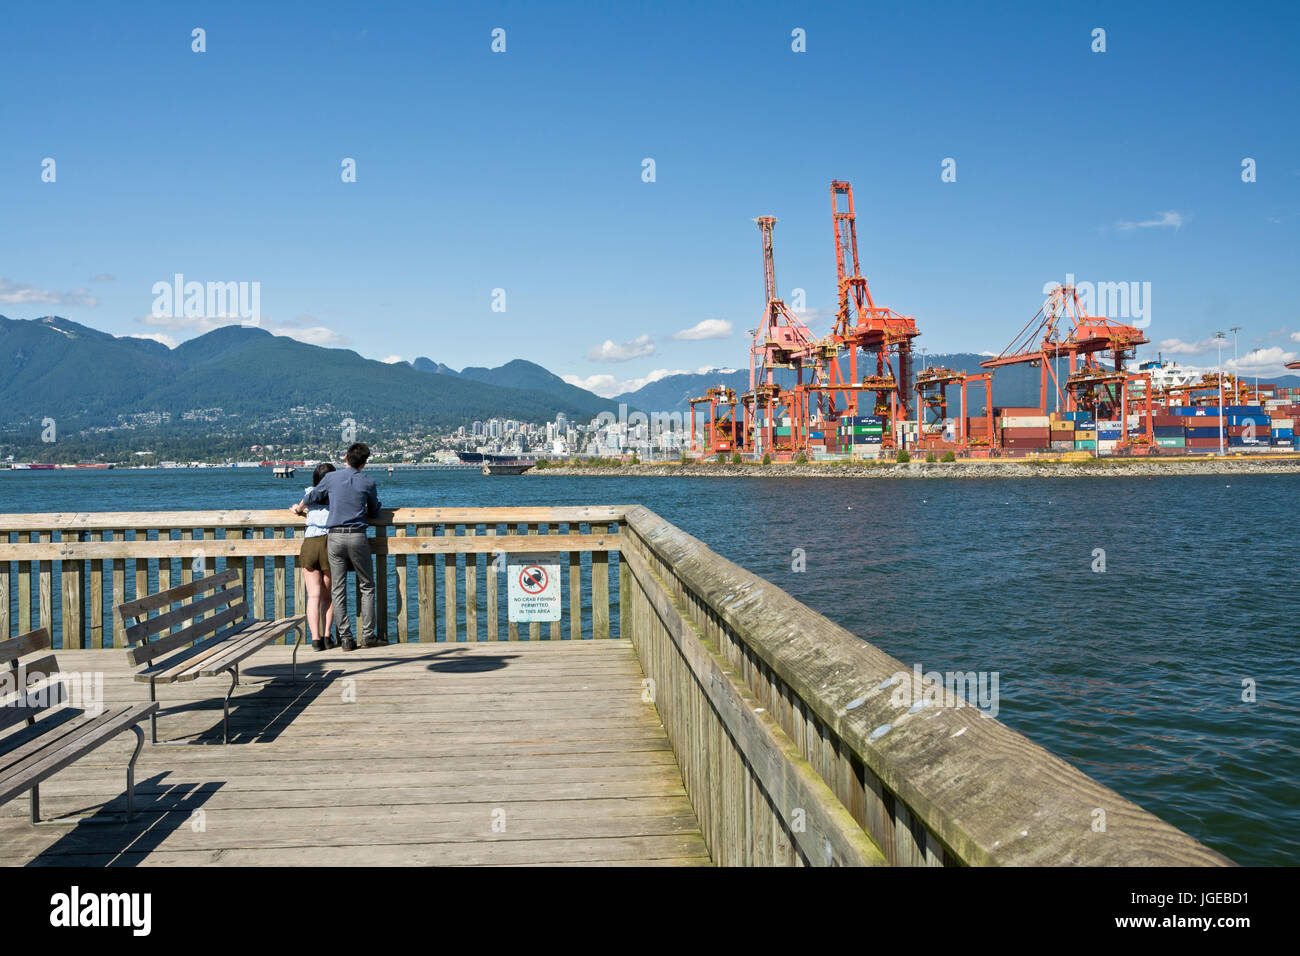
1002	468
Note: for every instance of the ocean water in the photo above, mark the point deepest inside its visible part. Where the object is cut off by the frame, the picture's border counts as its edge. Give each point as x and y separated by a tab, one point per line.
1135	674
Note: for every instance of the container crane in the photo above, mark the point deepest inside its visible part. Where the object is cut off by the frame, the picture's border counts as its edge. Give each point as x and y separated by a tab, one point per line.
860	324
781	341
1063	328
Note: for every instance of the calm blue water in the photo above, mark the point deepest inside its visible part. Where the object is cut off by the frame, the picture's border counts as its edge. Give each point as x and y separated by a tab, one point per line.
1134	675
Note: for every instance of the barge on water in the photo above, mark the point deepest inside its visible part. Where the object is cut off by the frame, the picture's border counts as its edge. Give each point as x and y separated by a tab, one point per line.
497	464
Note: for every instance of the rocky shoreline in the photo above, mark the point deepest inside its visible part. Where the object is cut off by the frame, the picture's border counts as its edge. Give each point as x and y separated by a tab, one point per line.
1090	468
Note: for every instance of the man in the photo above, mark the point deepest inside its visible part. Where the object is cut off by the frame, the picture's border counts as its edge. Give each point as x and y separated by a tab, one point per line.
352	499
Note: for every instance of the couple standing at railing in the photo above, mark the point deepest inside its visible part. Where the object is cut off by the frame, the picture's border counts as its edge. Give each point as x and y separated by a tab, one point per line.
337	507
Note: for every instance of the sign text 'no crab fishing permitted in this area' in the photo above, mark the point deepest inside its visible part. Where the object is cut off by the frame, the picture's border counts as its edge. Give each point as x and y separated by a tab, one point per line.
533	592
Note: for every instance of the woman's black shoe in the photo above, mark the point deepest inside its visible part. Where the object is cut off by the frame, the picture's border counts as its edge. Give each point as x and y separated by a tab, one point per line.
318	645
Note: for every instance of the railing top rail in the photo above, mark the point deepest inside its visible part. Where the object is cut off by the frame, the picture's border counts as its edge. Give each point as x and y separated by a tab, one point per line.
284	547
992	795
245	518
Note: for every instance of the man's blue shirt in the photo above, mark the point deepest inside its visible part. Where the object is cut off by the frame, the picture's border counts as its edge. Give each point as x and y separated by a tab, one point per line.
352	498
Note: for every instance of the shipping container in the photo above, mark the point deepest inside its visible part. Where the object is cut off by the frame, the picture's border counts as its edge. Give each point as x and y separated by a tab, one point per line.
1088	445
1081	434
1168	431
1178	442
1026	421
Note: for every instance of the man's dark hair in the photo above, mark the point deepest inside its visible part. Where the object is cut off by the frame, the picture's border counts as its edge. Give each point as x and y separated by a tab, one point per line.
358	454
323	469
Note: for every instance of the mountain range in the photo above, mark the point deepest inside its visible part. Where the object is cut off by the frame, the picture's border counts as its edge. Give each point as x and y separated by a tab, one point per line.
236	386
53	367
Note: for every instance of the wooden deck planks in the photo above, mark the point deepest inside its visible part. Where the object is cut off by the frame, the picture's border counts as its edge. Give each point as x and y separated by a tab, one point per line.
475	754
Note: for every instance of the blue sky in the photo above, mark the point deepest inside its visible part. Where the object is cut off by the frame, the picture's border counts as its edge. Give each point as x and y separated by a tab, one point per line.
522	170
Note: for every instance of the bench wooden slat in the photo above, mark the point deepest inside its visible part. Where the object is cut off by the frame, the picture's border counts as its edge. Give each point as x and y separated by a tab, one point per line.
168	671
210	664
254	642
16	647
150	650
62	752
18	746
32	705
150	602
17	681
147	628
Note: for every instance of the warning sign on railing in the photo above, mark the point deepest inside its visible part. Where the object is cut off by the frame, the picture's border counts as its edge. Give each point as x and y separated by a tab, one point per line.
533	587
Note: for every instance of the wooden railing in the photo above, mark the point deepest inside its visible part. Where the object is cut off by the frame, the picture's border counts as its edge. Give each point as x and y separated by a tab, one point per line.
439	571
792	747
795	750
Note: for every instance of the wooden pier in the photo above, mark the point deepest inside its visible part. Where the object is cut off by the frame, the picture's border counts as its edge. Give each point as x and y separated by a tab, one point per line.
684	711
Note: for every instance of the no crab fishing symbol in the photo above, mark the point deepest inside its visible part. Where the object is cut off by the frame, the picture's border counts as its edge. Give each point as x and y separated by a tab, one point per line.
534	588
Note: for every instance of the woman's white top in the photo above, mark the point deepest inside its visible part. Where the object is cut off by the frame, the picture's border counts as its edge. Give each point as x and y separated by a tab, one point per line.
316	518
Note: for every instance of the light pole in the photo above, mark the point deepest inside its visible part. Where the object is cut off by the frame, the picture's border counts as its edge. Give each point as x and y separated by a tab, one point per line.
1236	372
1220	337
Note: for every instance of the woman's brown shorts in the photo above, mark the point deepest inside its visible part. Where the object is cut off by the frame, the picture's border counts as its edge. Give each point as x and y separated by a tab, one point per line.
314	555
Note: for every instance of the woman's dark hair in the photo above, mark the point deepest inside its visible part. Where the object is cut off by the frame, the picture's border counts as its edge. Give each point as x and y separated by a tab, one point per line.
323	469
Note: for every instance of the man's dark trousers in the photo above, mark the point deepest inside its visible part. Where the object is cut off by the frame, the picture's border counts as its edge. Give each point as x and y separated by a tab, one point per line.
350	551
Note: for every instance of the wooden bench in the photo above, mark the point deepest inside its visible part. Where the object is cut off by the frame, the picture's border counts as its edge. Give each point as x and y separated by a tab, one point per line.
33	693
203	646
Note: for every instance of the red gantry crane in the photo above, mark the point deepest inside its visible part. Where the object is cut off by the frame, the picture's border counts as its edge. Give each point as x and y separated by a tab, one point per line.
781	341
1062	328
861	325
970	432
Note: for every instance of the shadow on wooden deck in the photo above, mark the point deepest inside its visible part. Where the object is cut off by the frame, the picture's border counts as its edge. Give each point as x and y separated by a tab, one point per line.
416	754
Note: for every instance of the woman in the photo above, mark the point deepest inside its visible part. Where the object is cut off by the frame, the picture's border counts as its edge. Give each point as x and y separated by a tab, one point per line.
314	560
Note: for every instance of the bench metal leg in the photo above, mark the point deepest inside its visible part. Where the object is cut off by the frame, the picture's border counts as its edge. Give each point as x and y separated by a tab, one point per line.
225	720
130	772
153	718
109	818
293	674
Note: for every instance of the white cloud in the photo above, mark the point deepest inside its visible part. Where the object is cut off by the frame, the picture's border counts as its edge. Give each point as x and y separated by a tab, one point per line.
1260	359
315	335
297	329
104	277
22	293
707	329
392	360
1179	347
1170	218
1295	336
166	340
607	386
608	351
198	324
